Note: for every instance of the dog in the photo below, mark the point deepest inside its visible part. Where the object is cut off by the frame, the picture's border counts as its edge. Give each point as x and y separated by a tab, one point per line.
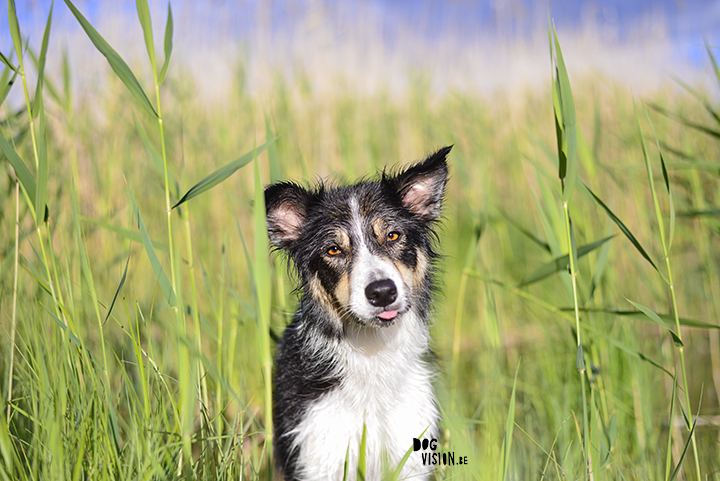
356	357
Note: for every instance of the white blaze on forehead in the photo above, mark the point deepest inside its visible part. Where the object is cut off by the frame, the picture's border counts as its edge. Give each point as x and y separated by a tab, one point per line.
368	267
356	219
360	247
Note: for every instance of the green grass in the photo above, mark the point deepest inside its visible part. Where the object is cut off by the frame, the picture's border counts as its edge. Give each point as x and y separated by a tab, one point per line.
139	315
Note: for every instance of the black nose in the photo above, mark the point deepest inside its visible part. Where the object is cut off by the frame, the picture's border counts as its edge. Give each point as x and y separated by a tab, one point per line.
381	293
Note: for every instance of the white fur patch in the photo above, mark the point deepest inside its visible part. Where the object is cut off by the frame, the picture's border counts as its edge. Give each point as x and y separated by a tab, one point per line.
384	385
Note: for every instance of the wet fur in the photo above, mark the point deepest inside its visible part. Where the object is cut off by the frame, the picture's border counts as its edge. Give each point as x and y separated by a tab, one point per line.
339	365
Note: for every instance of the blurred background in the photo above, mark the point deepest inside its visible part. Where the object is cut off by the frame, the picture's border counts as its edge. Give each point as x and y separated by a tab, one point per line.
348	88
475	46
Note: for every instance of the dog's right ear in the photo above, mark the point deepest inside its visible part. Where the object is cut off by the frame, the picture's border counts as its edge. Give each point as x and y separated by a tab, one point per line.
286	205
421	187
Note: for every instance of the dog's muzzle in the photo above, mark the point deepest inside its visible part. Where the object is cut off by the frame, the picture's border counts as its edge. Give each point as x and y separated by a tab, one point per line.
381	294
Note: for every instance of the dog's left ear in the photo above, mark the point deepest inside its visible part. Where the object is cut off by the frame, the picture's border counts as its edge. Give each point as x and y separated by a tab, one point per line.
421	187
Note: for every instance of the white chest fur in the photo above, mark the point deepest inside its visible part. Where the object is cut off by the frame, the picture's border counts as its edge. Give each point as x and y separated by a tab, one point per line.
385	386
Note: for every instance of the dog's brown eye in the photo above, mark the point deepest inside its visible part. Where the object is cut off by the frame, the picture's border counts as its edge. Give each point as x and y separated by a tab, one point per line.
393	236
334	250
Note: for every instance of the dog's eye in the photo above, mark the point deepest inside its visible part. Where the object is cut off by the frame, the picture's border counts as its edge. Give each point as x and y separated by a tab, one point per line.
393	236
334	250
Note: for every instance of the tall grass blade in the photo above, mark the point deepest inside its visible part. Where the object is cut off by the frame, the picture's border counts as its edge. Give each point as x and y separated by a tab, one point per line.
700	213
21	170
15	29
549	307
41	64
686	122
509	428
655	318
668	459
143	12
457	331
686	416
639	315
568	122
125	233
574	249
42	169
8	63
221	174
559	133
550	217
168	44
48	87
557	108
87	270
567	138
541	243
73	337
263	287
658	213
561	263
346	464
601	263
87	273
116	62
622	227
117	291
273	159
682	456
398	469
39	278
247	255
671	233
156	157
162	278
6	83
154	154
716	70
67	98
7	451
693	164
362	461
702	99
608	438
580	358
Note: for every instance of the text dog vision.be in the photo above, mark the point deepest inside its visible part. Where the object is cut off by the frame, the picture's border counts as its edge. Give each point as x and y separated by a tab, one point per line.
434	458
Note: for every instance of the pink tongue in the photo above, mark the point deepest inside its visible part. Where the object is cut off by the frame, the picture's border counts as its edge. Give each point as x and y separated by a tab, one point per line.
387	315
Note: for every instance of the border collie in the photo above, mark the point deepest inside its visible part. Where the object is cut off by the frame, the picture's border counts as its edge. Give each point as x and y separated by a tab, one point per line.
356	355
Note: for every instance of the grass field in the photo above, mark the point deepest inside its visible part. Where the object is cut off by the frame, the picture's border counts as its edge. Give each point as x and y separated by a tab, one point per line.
138	336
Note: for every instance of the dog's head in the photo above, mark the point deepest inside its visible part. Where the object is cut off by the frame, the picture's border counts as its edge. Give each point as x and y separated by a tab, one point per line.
363	251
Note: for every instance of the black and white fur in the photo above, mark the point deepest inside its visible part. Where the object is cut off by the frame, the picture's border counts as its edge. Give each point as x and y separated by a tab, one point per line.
357	351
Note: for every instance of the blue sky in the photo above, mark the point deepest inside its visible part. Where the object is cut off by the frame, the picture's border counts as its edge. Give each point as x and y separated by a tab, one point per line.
687	21
666	34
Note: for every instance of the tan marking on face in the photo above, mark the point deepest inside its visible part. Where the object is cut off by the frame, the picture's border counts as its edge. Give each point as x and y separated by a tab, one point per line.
407	274
318	292
343	241
340	304
379	228
342	291
421	268
321	295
